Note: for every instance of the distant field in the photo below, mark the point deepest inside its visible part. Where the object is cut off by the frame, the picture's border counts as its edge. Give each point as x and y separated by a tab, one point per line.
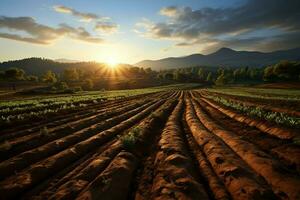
266	93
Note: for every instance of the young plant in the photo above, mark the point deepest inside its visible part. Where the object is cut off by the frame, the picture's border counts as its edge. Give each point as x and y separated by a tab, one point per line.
128	141
5	146
44	131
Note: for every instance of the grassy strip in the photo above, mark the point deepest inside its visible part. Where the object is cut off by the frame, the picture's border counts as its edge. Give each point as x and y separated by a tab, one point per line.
276	117
275	94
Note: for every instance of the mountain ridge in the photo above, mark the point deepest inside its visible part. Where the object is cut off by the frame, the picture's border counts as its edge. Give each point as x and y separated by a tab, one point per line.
223	57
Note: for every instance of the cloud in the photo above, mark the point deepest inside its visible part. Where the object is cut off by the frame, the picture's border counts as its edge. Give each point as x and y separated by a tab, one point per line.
106	27
170	11
101	23
261	43
238	24
86	17
41	34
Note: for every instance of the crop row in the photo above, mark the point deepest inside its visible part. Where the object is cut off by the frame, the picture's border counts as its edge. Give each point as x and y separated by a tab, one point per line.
17	145
175	145
283	183
255	111
92	180
52	164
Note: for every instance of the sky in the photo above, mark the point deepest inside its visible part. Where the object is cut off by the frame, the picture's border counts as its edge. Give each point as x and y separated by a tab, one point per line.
128	31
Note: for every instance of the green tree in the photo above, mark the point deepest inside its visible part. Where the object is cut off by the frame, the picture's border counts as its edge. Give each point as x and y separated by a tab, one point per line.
2	75
201	74
209	77
49	77
237	74
148	70
32	78
61	85
88	84
286	70
14	74
220	80
70	74
168	76
268	74
178	76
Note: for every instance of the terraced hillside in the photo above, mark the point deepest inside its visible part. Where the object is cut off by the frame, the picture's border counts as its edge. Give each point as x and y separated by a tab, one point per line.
191	144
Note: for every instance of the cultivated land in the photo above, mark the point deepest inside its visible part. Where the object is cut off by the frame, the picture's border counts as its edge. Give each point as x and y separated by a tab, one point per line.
173	142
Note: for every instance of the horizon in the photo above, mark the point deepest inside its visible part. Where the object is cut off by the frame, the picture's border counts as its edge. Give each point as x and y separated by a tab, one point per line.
66	60
129	32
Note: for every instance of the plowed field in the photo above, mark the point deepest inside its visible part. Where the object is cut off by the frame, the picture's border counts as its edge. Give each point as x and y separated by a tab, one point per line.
163	145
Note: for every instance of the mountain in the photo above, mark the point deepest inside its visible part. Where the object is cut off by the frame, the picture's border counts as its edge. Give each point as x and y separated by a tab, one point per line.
63	60
224	57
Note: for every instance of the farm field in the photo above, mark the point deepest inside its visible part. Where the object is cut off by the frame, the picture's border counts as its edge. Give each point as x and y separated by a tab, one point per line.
167	143
37	107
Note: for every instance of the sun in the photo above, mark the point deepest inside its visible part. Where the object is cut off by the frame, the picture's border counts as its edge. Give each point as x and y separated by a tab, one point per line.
112	62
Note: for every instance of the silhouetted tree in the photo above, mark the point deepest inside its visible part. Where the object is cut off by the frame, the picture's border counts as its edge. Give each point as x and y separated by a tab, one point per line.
209	77
201	74
14	74
49	77
70	75
88	84
32	78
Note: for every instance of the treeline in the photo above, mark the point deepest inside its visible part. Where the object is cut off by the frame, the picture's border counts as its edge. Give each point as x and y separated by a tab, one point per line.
83	78
282	71
128	76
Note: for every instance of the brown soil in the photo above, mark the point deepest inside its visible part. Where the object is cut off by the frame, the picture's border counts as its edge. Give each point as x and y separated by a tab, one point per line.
187	147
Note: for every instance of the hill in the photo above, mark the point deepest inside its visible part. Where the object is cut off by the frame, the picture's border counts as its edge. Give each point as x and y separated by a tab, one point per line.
224	57
38	66
64	60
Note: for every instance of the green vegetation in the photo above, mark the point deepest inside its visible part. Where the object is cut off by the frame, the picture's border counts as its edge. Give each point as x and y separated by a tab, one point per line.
41	106
128	140
279	118
5	146
87	75
276	94
283	71
44	131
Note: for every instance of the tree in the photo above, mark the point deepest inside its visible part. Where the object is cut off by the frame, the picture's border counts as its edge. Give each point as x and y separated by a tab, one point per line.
221	80
220	71
61	85
287	70
209	77
142	71
70	74
148	70
32	78
194	70
14	74
2	75
225	77
255	74
168	76
88	84
201	74
178	76
237	74
49	77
